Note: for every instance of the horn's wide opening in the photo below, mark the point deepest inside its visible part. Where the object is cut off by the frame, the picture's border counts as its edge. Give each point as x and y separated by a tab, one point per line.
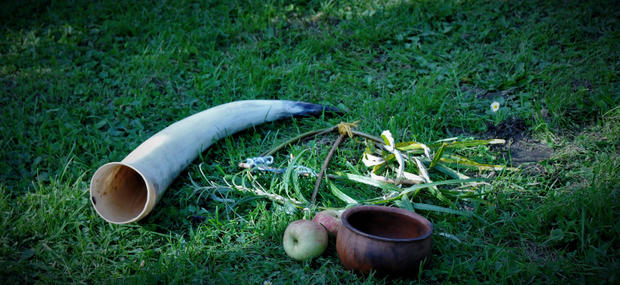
118	193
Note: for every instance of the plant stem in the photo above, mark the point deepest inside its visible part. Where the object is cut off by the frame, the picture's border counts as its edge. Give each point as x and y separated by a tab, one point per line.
324	167
298	138
370	137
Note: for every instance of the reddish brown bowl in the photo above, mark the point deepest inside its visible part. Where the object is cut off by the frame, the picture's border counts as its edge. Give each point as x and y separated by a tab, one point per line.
391	241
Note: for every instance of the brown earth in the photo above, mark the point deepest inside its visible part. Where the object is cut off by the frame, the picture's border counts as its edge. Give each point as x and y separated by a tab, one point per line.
520	149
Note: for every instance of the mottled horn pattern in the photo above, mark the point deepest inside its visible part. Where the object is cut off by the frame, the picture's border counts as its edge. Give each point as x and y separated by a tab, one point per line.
126	191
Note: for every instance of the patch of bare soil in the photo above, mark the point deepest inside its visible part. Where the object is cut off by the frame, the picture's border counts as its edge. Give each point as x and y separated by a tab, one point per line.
521	150
528	150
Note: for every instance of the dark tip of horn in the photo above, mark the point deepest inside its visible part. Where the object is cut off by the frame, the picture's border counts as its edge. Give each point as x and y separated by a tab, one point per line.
309	109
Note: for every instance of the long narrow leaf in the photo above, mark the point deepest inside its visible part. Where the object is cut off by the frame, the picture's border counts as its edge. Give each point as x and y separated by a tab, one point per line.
413	190
437	155
287	176
339	194
407	146
405	203
372	160
460	160
445	182
446	170
297	188
387	138
429	207
450	172
372	182
462	144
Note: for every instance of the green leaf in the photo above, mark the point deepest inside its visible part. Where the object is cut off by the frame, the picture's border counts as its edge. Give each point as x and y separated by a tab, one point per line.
378	168
437	156
387	138
462	144
437	193
297	188
405	203
371	182
434	208
388	157
460	160
445	182
450	172
339	194
407	146
286	179
289	207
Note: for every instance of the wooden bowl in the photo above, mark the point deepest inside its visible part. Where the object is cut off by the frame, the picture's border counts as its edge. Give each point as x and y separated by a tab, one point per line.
391	241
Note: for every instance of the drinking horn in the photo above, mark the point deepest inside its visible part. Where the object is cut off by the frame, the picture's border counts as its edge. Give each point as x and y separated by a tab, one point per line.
126	191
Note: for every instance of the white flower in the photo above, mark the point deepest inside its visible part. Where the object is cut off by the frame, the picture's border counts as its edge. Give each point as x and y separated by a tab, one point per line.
494	106
267	282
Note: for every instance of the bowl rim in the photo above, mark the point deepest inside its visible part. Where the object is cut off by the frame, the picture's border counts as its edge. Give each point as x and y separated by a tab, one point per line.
416	216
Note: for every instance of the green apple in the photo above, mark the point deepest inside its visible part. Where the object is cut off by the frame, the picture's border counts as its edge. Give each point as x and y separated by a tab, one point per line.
304	240
330	219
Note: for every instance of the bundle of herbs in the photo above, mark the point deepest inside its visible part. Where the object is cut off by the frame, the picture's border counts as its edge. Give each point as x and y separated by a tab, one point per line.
409	175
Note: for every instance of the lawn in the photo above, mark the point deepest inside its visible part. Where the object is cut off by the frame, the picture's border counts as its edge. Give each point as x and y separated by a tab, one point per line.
83	83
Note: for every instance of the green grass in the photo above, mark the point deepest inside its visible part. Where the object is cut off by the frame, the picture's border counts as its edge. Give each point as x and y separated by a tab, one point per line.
83	83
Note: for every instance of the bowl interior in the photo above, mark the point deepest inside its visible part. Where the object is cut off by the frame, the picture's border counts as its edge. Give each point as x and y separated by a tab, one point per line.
388	224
